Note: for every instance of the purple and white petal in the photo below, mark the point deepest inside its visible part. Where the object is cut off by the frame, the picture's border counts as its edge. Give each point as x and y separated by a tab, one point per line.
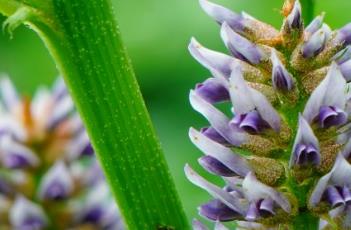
215	167
344	35
345	69
281	78
215	191
214	135
15	155
339	175
217	119
306	146
315	25
59	89
240	47
225	155
8	93
330	92
222	14
331	116
342	56
211	59
212	90
79	146
263	191
197	225
61	111
216	210
57	183
246	99
315	44
25	214
294	19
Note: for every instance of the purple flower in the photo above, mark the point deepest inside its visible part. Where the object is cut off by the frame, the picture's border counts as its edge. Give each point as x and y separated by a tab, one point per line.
212	90
306	146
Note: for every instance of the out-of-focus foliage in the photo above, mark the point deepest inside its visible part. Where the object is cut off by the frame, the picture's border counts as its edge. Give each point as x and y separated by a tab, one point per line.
156	33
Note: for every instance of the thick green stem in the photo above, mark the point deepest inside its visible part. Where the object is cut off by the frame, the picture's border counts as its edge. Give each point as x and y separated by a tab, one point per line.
307	10
83	38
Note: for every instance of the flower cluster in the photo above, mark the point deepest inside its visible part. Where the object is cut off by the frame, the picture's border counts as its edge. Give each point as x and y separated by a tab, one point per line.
49	176
280	139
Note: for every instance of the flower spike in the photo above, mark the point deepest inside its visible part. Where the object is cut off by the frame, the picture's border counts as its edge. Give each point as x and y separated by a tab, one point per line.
327	102
306	146
281	78
240	47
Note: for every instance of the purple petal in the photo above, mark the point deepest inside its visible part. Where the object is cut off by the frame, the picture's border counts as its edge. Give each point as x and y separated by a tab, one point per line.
266	207
342	56
331	116
61	112
222	14
57	183
225	155
79	146
334	196
315	25
211	59
27	215
212	134
294	19
330	92
16	155
218	193
216	210
197	225
212	90
252	213
344	35
306	145
215	167
315	44
246	99
345	69
217	120
281	78
339	175
262	191
240	47
251	122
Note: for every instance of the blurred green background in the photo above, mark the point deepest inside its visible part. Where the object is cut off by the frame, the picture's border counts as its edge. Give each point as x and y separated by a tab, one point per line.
156	33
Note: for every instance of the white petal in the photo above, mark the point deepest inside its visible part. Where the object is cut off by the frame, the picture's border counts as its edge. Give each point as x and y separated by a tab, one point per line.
255	190
225	155
330	92
217	119
213	190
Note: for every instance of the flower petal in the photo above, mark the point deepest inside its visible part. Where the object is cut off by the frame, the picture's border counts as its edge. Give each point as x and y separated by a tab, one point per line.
217	119
214	190
294	19
316	24
57	183
344	35
240	47
222	14
304	137
210	59
216	210
281	78
220	226
212	90
27	215
246	99
342	56
330	92
315	44
226	156
262	191
8	93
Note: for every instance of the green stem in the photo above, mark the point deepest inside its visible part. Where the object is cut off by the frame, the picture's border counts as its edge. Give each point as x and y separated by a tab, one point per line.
305	220
307	10
83	38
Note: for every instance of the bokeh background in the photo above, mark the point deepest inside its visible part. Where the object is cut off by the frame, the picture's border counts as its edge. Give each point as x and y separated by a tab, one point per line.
156	34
